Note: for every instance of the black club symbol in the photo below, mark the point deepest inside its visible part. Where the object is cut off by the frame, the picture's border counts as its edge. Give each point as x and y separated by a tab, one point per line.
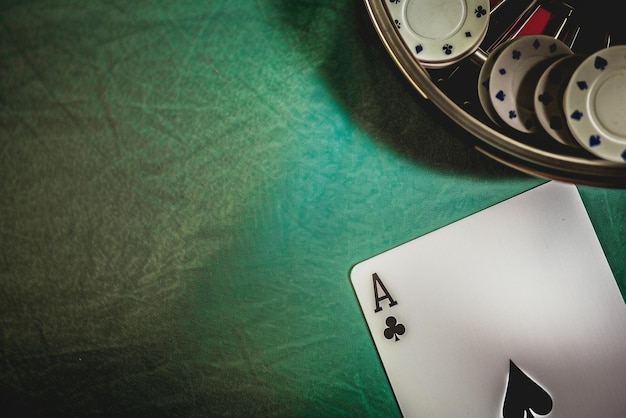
398	24
393	328
447	49
480	11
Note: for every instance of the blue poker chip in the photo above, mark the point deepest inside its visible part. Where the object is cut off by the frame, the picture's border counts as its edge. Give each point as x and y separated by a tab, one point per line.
515	74
594	104
548	98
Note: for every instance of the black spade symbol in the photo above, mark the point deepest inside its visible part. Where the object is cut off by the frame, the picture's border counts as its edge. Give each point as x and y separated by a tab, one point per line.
523	395
600	63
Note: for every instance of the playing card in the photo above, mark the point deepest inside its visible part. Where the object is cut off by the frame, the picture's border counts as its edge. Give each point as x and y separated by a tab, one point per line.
512	312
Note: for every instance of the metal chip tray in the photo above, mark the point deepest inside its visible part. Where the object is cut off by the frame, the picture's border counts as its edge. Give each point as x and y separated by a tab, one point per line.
585	27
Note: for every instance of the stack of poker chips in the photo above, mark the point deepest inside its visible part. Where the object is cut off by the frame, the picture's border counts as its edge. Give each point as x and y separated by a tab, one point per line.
530	83
535	83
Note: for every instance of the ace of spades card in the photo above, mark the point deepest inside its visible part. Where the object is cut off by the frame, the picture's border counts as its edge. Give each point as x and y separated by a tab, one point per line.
512	312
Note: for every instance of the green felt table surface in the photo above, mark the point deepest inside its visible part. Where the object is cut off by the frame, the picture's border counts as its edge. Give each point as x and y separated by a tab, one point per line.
184	187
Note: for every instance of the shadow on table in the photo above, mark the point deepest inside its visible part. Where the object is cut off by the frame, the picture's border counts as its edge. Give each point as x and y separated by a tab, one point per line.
340	41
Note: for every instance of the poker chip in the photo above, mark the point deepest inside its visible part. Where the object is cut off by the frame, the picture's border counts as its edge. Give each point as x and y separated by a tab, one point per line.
594	103
483	83
515	74
440	32
548	99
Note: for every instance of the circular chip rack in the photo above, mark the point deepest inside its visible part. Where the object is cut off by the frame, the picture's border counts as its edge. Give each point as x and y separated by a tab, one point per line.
447	87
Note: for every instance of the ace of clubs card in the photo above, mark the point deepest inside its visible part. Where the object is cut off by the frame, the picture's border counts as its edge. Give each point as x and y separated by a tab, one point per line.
512	312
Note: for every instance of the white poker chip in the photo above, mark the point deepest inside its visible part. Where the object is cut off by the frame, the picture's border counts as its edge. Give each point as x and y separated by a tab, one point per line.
483	83
595	103
549	98
440	32
515	74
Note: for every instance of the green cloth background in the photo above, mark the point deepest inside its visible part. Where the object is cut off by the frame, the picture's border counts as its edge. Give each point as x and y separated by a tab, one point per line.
184	187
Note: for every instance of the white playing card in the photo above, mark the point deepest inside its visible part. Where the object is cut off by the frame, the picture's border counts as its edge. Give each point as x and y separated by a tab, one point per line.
521	287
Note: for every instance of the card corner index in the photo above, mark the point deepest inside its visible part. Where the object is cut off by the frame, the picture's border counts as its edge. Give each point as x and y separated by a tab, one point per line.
356	271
